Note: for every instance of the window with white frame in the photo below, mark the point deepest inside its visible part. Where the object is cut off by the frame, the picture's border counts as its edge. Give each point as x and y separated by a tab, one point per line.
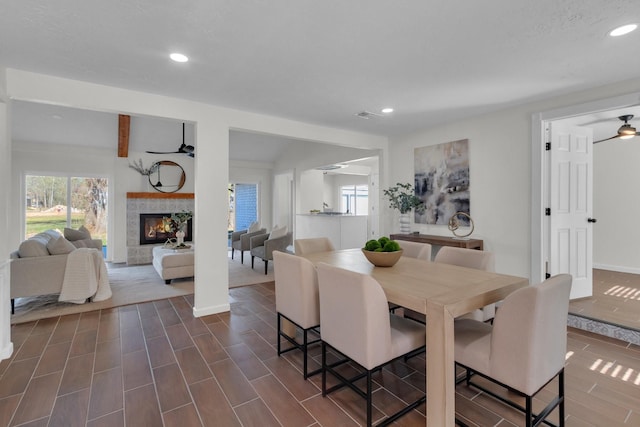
354	199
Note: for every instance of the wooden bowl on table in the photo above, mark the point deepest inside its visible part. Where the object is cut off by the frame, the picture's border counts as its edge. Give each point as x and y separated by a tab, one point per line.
382	259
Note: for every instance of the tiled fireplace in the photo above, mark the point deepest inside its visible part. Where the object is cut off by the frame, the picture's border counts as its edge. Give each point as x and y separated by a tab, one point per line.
157	228
150	203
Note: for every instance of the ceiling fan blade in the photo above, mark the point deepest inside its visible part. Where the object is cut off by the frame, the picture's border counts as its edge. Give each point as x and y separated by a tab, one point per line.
607	139
183	149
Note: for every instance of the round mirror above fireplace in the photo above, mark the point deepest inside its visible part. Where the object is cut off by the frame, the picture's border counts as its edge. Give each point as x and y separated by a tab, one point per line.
167	176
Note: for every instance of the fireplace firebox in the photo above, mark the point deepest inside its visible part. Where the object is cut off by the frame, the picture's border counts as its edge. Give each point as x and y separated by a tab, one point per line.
156	228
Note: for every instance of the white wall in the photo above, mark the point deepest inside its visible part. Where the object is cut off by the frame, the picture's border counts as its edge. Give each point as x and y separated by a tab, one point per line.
310	191
499	176
616	205
328	192
283	211
500	167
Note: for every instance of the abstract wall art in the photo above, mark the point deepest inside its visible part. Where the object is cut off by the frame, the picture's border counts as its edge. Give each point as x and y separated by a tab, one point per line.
442	181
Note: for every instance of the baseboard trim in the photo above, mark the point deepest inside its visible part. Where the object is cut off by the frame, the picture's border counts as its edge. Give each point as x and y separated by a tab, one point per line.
207	311
607	329
7	351
618	268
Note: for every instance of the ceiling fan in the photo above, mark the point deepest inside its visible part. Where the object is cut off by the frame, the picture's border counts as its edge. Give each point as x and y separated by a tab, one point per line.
625	131
183	149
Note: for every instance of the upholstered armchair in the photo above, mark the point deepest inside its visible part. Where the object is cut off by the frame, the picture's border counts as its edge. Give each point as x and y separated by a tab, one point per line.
263	245
241	240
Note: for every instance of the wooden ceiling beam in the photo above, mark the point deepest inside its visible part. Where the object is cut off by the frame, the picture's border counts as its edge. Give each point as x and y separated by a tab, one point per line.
124	123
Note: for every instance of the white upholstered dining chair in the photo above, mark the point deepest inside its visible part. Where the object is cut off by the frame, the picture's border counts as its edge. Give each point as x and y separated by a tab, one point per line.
355	321
297	301
415	249
524	349
311	245
470	258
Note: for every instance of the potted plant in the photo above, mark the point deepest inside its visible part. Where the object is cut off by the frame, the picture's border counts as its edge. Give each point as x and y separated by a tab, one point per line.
179	224
403	198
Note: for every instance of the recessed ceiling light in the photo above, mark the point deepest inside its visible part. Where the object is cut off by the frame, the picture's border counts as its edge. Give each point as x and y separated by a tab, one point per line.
178	57
387	110
621	31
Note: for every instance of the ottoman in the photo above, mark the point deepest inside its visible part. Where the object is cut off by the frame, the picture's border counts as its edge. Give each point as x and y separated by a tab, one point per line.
172	263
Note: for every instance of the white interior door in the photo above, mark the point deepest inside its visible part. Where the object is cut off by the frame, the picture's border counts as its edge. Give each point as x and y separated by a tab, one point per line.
570	248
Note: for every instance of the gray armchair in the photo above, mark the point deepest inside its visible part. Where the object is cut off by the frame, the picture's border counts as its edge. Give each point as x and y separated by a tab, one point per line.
241	240
262	247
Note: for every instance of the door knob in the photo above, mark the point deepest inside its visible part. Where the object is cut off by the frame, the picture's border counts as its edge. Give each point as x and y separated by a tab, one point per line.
592	220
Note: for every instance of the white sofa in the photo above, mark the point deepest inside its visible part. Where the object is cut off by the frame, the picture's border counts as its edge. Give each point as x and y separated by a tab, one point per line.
38	266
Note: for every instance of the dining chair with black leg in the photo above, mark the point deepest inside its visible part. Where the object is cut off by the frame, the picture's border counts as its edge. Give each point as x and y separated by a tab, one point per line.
297	301
355	322
415	250
470	258
523	350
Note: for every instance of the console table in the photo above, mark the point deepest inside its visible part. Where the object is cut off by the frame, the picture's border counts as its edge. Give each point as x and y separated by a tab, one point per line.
440	240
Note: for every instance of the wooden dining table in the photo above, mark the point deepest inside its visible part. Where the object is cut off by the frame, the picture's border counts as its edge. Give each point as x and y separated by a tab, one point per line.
441	292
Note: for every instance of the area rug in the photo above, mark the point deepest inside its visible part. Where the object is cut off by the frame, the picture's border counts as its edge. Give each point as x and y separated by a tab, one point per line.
133	285
129	284
243	274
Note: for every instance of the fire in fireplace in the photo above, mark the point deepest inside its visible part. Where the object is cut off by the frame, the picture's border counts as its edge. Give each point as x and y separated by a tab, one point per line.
156	228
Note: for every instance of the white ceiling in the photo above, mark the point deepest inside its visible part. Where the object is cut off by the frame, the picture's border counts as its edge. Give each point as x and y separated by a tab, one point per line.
322	62
44	123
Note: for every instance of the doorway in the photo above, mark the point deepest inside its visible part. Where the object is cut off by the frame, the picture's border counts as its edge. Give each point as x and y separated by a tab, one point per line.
610	213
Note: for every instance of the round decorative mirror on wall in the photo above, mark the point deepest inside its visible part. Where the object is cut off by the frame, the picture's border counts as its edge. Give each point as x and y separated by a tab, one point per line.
167	176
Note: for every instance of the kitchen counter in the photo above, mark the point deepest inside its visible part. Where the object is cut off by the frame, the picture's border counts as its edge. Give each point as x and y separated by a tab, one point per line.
328	214
344	230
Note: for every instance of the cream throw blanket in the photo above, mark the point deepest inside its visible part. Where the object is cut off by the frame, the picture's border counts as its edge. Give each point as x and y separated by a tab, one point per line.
85	276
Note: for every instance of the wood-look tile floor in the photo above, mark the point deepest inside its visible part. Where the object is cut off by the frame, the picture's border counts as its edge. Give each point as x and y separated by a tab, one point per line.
154	364
616	299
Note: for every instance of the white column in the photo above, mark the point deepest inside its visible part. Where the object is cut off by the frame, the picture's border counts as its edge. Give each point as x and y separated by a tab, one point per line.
210	218
6	346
